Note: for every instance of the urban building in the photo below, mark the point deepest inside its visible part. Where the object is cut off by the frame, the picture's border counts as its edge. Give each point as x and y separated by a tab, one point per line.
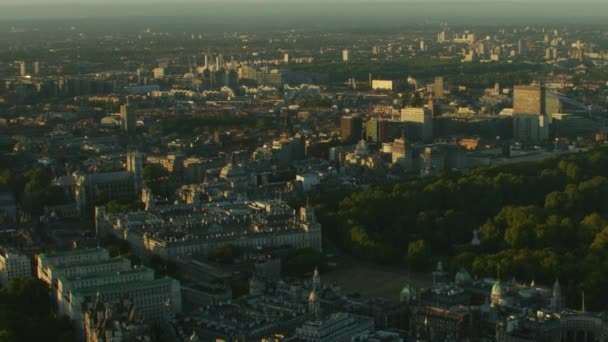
351	127
529	100
530	128
180	230
419	123
80	277
128	120
438	88
338	327
14	265
115	321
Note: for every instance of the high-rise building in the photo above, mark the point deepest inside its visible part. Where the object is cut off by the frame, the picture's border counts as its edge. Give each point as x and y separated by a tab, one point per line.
127	118
438	87
350	128
158	72
529	100
22	68
345	55
36	68
441	37
422	46
419	123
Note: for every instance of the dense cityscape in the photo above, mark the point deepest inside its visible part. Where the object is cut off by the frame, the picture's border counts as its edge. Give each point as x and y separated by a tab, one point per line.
304	179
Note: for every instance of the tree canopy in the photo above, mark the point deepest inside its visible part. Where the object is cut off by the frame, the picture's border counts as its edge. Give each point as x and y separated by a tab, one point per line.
538	221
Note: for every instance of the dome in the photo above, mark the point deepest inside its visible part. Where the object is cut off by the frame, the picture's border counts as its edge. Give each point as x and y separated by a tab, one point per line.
408	290
497	289
463	277
232	170
557	289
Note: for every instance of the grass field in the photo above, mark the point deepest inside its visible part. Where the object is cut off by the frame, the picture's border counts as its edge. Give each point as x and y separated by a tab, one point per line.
372	281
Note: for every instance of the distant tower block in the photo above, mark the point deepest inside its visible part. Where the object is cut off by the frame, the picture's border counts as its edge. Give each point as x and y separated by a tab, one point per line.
22	68
438	87
127	119
345	55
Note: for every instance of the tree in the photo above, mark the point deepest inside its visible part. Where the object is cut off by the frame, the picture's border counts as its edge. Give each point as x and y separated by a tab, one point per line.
37	179
26	313
152	172
302	261
601	240
7	181
225	254
418	254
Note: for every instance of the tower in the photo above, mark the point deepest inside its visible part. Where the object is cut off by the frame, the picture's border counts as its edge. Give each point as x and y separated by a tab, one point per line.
22	68
81	198
127	119
312	227
316	280
438	87
313	304
497	292
135	163
147	198
345	55
556	299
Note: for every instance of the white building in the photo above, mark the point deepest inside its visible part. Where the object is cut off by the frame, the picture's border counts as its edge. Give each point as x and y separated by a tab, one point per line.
75	257
345	55
308	180
422	119
382	85
158	72
79	277
14	265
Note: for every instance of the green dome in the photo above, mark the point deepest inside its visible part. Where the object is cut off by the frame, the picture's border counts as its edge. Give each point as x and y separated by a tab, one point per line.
408	290
463	277
497	289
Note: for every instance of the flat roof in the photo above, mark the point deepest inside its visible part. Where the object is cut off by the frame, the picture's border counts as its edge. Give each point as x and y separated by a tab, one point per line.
91	291
72	252
139	269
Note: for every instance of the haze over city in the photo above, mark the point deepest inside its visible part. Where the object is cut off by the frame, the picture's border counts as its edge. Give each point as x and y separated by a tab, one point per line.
303	171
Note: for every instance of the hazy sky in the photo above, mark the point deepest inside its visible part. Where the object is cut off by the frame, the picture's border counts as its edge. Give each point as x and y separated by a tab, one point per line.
307	12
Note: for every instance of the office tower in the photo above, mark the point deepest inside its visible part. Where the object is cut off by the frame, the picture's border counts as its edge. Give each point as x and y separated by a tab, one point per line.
219	62
159	72
522	47
441	37
419	123
22	68
36	68
529	100
207	62
345	55
438	88
127	118
350	128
